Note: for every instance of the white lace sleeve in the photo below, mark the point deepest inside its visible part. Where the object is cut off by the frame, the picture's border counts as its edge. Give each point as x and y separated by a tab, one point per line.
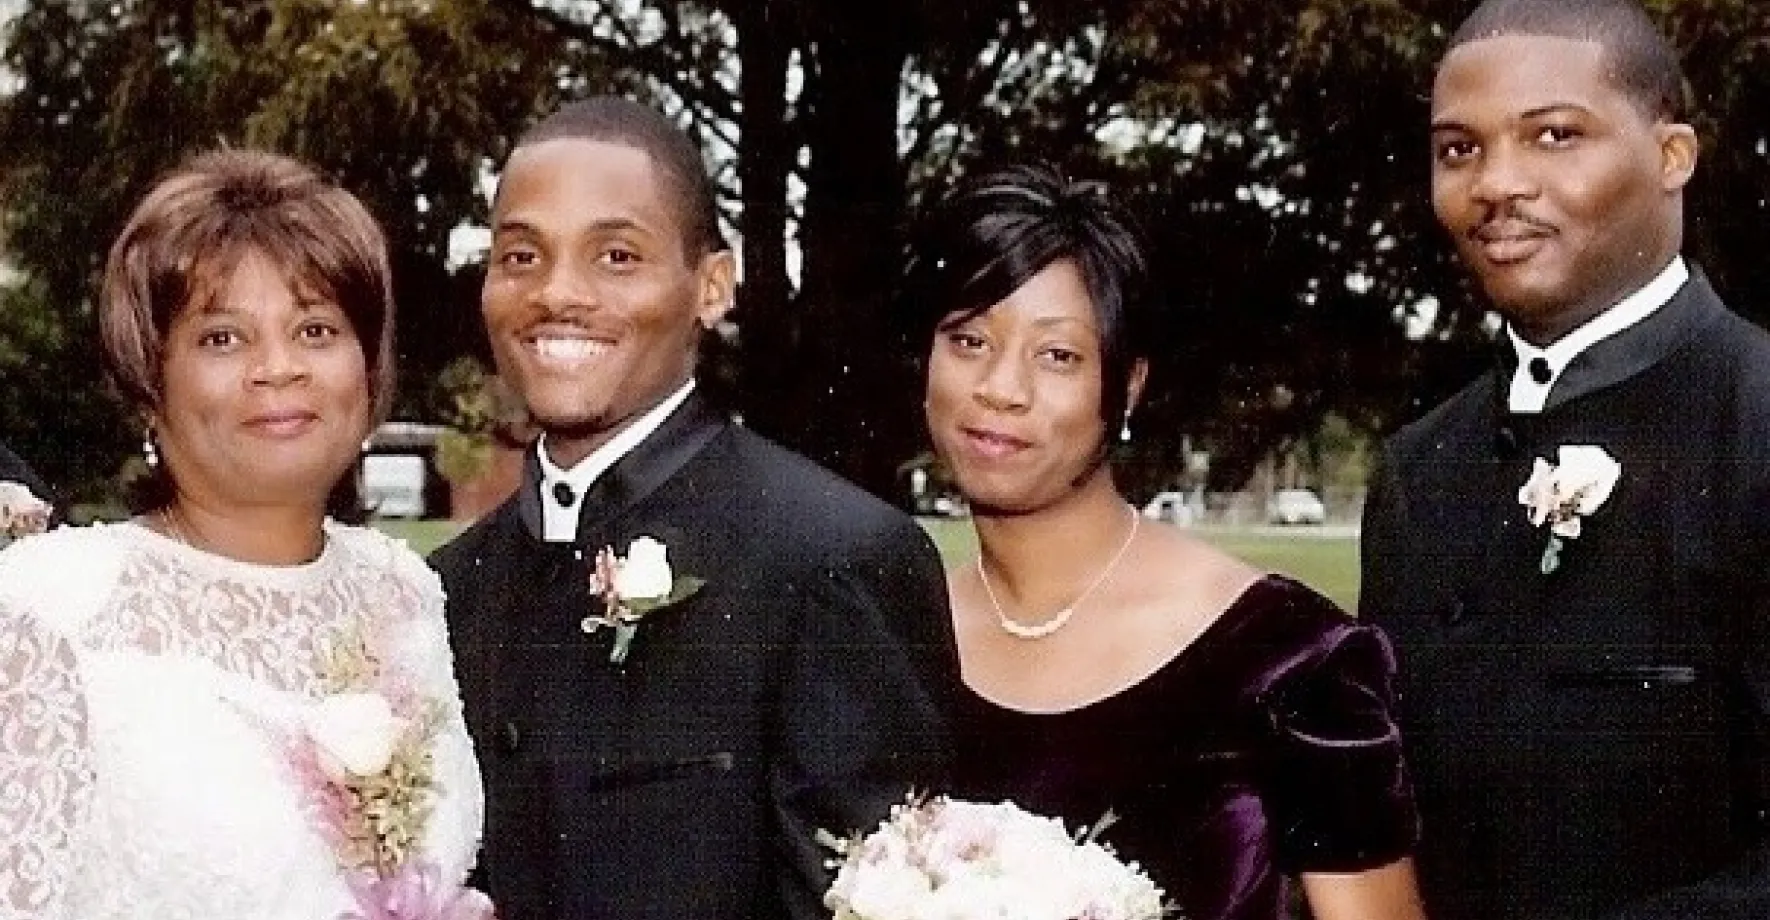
420	646
45	769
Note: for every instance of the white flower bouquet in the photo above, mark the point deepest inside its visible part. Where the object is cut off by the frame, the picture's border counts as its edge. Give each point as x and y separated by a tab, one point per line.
946	859
21	513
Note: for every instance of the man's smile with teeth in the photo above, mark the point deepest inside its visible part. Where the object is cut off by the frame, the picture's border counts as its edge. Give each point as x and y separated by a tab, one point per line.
569	349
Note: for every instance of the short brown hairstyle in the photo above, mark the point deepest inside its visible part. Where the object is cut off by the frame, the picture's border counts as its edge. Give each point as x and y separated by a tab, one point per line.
187	235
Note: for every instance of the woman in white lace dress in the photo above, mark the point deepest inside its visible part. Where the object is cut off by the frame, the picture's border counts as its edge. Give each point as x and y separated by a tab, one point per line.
231	706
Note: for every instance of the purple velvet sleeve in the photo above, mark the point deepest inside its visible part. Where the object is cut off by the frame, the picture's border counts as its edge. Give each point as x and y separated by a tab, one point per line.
1338	795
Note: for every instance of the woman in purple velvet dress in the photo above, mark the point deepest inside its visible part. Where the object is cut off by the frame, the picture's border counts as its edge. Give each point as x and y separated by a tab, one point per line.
1237	724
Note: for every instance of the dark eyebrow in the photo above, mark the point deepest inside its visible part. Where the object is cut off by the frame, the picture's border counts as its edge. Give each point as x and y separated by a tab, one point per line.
1556	107
606	225
511	225
1447	124
304	303
1048	321
611	224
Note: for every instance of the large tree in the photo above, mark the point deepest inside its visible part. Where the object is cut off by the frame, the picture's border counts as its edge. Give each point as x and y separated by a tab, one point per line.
401	102
1276	152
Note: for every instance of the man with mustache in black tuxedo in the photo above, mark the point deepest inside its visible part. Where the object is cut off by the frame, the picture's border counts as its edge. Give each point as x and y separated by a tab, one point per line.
1585	688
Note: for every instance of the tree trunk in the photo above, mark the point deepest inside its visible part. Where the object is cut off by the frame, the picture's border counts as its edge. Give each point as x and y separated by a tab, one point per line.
769	369
861	408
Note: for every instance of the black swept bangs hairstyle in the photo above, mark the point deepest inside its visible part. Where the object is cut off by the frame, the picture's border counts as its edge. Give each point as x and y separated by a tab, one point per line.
993	232
1641	60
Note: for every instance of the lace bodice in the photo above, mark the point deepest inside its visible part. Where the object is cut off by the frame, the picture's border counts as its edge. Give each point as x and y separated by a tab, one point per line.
146	692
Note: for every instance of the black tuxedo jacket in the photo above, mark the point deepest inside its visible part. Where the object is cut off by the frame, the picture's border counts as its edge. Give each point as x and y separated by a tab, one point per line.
1597	740
805	687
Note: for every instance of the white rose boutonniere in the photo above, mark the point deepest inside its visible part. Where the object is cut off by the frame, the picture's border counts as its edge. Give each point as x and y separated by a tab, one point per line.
631	586
21	512
645	573
1561	495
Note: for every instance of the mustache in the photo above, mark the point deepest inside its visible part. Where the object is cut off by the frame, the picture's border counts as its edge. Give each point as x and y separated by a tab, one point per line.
1508	222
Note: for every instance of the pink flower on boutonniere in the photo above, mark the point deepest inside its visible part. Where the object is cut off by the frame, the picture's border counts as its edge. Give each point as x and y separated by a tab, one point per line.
1561	495
21	513
632	586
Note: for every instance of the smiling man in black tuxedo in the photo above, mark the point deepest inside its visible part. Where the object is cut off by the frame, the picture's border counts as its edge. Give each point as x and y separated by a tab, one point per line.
1585	688
681	771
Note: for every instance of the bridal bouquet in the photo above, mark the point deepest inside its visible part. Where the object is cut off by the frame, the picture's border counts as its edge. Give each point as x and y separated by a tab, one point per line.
21	513
947	859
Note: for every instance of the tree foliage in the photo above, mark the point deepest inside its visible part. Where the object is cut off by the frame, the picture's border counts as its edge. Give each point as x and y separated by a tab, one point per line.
401	102
1275	151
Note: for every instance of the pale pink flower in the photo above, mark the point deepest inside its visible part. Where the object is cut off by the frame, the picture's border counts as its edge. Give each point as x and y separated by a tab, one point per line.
415	892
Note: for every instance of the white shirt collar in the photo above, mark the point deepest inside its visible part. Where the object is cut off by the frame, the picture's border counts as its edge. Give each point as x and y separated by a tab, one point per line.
1528	394
559	521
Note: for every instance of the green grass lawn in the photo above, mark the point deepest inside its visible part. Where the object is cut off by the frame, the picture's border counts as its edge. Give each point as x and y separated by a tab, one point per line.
1327	564
421	536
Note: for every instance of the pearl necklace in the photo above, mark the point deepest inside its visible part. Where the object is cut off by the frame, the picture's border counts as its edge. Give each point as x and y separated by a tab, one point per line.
1061	618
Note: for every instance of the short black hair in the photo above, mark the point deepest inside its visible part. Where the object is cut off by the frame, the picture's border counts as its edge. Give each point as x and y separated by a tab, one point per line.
993	232
616	120
1642	60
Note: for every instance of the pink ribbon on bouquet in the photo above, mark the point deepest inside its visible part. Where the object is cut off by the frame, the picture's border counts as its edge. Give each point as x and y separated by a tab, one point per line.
415	892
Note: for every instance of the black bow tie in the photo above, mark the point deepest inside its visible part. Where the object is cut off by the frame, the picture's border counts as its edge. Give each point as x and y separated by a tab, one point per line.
1539	370
563	494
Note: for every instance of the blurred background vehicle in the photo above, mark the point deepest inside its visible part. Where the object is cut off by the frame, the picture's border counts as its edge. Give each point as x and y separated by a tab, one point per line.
1295	506
393	485
1173	507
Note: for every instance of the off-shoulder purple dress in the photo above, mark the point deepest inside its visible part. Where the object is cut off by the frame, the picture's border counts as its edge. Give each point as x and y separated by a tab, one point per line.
1265	748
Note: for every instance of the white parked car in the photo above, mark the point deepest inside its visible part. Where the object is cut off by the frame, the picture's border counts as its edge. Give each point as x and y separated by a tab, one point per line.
1171	507
393	485
1296	506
